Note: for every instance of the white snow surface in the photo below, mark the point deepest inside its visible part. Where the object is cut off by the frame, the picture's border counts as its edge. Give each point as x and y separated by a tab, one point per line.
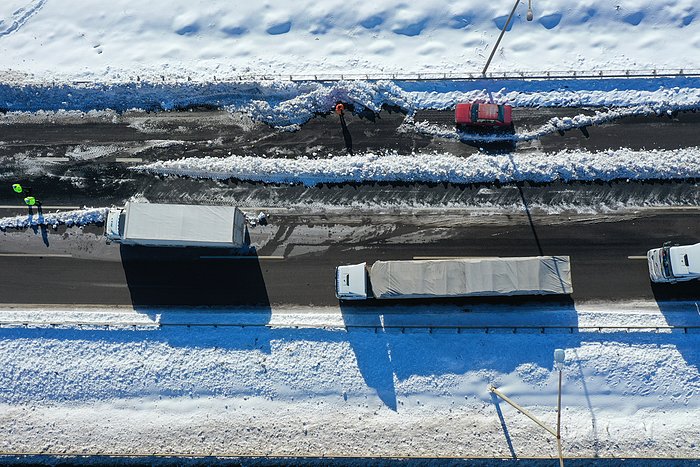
481	168
121	40
336	391
39	218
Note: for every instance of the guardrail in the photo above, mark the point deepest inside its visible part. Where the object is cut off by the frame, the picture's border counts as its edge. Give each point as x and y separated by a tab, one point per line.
327	458
426	76
459	329
493	75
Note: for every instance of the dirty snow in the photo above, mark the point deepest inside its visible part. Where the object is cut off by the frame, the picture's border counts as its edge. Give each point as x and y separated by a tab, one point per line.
39	218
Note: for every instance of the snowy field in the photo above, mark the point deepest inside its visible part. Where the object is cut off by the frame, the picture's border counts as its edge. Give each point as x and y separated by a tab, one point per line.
120	40
328	390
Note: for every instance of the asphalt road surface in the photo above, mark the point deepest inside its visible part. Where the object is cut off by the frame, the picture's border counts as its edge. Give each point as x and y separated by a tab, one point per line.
86	161
298	256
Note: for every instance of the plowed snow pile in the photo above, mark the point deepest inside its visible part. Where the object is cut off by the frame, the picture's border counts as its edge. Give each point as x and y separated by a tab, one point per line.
121	39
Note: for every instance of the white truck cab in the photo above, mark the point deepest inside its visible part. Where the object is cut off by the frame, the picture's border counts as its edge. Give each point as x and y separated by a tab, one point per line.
351	282
674	263
113	232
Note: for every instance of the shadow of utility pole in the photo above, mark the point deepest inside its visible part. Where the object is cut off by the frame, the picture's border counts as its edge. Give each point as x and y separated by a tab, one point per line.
529	218
497	404
527	209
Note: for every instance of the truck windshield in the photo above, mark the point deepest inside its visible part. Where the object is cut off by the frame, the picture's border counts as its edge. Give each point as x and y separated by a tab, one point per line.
666	261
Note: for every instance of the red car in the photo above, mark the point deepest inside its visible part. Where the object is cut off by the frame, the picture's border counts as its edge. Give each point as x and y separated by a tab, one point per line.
479	114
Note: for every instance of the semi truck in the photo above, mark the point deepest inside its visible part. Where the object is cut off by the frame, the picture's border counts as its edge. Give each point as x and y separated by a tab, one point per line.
176	225
674	263
455	277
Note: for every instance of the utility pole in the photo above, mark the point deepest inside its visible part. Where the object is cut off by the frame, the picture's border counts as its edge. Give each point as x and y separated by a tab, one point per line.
559	360
503	31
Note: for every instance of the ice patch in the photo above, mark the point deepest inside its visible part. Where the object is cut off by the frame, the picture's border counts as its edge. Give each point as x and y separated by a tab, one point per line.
83	152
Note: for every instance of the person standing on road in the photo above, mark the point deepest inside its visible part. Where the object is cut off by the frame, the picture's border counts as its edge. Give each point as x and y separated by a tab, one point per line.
21	190
25	192
31	201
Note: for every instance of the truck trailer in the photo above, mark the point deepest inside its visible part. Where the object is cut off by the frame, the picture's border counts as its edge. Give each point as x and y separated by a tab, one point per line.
176	225
674	263
455	277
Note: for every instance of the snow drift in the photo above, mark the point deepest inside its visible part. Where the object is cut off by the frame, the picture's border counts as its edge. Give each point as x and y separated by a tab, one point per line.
126	41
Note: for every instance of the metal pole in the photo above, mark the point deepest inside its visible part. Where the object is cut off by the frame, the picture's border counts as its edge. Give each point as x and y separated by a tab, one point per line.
561	457
503	31
521	410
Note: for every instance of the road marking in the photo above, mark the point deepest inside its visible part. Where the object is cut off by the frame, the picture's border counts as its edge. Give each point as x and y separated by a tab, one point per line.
452	257
636	257
243	257
43	206
53	159
129	159
37	255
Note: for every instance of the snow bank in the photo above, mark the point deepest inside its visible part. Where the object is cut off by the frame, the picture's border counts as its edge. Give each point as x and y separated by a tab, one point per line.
70	218
287	105
127	41
482	168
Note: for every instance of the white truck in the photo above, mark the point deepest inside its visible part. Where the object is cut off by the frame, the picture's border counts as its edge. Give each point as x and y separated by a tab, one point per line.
455	277
674	263
176	225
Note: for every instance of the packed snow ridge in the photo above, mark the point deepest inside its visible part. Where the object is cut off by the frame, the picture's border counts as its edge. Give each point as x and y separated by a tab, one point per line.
70	218
434	168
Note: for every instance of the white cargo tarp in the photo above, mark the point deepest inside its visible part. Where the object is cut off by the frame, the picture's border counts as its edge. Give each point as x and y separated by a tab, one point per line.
185	225
462	277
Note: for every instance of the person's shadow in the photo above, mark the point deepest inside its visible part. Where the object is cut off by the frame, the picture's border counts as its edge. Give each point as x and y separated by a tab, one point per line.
346	134
39	225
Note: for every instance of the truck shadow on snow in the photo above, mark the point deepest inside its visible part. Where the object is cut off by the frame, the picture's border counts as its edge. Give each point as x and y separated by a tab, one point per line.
195	277
374	329
680	305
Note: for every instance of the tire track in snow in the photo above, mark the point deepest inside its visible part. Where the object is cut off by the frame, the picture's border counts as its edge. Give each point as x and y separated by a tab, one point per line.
21	16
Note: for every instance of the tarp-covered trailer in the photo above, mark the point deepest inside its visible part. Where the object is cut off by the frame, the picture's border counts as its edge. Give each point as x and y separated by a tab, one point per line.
456	277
